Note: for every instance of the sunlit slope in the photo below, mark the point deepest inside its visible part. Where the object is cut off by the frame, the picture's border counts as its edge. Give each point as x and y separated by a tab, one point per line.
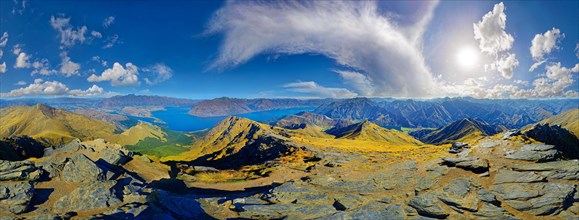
139	132
368	131
466	129
568	120
51	125
237	141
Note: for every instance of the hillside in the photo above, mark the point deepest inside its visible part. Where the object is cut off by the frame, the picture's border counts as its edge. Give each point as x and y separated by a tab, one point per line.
568	120
303	119
51	125
368	131
122	122
143	100
232	106
460	130
235	142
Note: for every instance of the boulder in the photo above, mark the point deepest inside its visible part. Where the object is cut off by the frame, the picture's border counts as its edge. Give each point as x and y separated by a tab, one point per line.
348	202
82	169
474	164
461	194
372	211
507	135
458	147
114	157
564	169
508	176
289	192
72	146
89	196
15	197
428	205
280	211
540	198
19	170
535	152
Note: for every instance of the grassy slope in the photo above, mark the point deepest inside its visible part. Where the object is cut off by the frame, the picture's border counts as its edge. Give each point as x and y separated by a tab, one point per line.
53	126
368	131
172	143
232	133
463	130
568	120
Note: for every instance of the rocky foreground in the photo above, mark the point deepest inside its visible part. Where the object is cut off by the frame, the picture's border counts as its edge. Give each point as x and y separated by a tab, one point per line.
492	178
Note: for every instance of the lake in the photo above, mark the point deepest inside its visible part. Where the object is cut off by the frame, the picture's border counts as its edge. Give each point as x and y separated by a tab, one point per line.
178	119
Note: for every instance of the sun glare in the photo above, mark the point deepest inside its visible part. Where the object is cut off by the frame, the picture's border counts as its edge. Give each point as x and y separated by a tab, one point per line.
467	57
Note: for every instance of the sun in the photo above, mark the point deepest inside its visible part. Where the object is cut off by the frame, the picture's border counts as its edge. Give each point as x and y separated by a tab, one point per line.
467	57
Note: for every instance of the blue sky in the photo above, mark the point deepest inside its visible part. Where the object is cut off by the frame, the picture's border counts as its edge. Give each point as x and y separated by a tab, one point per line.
316	49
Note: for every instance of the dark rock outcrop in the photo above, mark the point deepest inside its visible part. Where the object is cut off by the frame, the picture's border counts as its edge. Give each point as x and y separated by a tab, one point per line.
19	170
458	147
428	205
474	164
15	197
20	148
565	141
82	169
88	196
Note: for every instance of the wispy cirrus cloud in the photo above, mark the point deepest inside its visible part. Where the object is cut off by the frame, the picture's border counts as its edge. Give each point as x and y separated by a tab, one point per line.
353	33
313	88
160	72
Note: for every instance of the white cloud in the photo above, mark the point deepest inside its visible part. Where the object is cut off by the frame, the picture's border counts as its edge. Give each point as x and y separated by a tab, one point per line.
3	67
1	53
51	88
118	75
354	33
16	49
577	50
543	44
161	71
536	65
42	67
67	67
4	39
96	34
111	41
312	88
490	31
19	7
556	83
108	21
358	81
68	35
99	60
20	83
94	90
521	82
22	61
505	65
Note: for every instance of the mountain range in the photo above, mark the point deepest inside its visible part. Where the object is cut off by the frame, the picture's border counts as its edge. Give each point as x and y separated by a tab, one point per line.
232	106
440	112
466	129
